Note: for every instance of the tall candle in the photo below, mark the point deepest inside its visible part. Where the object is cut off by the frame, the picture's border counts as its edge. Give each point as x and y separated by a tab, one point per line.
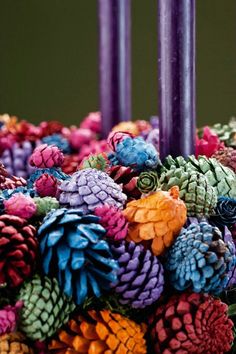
114	62
176	78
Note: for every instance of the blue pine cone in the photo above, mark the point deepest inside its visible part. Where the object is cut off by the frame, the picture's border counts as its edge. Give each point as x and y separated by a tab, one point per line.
200	259
225	212
74	252
58	140
56	172
136	153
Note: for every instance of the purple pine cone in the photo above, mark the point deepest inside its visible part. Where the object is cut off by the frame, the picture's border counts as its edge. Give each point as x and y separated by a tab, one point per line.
140	277
90	188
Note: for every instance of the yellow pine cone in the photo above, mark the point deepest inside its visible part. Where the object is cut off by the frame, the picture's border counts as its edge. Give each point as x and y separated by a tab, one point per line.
158	217
101	332
13	343
130	127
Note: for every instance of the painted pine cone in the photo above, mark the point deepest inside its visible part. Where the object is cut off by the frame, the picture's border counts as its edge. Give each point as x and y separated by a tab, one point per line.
140	277
45	308
46	185
21	205
208	144
46	156
98	161
200	259
18	249
13	182
14	343
45	205
94	147
59	141
9	316
116	137
157	218
90	188
135	153
219	176
92	121
127	179
192	323
198	195
3	173
113	221
147	181
226	157
71	164
56	172
100	332
225	212
226	132
74	252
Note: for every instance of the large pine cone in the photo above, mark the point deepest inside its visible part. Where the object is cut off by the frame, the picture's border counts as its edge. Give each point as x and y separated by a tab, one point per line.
14	343
46	156
74	252
140	277
18	250
226	157
192	323
219	176
45	308
157	218
98	333
199	196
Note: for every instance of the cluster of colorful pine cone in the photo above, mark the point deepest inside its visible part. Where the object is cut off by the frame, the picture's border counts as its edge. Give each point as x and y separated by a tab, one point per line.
104	248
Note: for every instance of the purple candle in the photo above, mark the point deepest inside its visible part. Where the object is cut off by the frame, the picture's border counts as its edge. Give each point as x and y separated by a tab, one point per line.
176	79
114	62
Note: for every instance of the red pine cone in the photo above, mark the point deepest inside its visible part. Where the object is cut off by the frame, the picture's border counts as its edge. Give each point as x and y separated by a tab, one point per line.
13	182
113	221
46	156
226	156
70	164
18	248
126	177
50	128
208	144
46	185
192	323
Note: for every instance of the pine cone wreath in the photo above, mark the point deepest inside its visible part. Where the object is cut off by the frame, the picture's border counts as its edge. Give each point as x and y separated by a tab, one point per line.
227	157
18	249
100	332
14	343
157	218
90	188
192	323
46	156
140	277
45	308
200	259
74	252
198	195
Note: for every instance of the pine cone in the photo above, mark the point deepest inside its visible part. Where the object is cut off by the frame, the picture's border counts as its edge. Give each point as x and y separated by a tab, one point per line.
226	132
50	128
71	164
113	221
94	147
3	173
20	205
92	121
98	161
73	251
90	188
13	182
59	141
100	332
116	137
154	138
45	308
14	343
200	259
127	127
46	185
80	137
225	212
219	176
56	172
147	182
208	144
127	179
46	156
198	195
18	249
45	205
8	317
226	157
157	218
140	277
192	323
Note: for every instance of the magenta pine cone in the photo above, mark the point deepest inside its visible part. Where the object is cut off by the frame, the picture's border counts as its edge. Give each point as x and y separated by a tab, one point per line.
115	138
46	185
47	156
20	205
90	188
80	137
9	317
92	122
113	221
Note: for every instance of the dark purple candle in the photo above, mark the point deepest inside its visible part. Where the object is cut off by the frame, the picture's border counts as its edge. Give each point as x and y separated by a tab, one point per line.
114	62
176	79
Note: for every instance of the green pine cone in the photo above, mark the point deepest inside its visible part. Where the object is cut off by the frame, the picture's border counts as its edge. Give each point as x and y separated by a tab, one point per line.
98	161
147	181
226	132
45	205
45	308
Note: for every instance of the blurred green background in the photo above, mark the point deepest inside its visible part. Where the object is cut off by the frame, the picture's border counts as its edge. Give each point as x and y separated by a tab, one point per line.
48	59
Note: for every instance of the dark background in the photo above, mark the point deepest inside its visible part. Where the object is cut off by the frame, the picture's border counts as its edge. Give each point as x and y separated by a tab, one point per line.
48	59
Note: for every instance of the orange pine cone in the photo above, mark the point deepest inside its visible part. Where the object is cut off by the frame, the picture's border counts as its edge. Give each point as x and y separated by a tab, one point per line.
130	127
101	332
158	217
14	343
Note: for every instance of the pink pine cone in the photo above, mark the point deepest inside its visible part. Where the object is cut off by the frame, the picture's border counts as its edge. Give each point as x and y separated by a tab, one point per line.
20	205
9	317
80	137
94	147
92	122
46	156
115	138
112	219
208	144
46	185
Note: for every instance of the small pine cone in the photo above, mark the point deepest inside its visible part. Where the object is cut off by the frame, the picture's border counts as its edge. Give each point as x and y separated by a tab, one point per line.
92	121
8	317
14	343
46	156
13	182
46	185
70	164
208	144
113	221
50	128
45	308
98	161
100	332
226	157
80	137
45	205
127	178
147	182
192	323
140	277
18	249
20	205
